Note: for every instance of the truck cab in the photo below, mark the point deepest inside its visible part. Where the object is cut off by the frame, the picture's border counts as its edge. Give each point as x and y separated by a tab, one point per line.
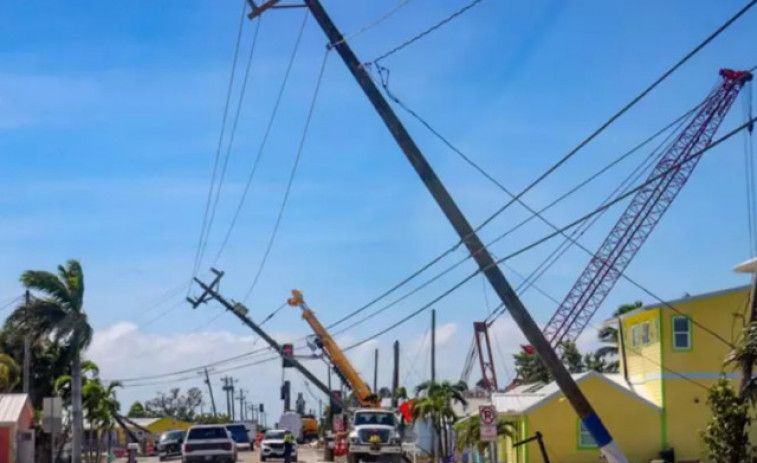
373	436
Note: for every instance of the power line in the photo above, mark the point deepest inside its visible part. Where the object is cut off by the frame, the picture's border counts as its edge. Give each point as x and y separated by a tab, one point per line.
205	225
561	161
233	132
464	259
515	253
548	236
292	174
264	139
10	302
373	23
429	30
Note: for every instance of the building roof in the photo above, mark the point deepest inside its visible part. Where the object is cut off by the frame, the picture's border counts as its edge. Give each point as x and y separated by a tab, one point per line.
12	407
682	300
525	398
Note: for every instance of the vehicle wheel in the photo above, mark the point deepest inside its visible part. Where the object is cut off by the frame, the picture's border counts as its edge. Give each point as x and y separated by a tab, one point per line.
352	458
294	458
161	458
262	458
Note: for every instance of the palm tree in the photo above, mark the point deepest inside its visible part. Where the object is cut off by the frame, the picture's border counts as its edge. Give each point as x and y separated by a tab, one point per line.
434	403
58	314
468	432
10	373
608	335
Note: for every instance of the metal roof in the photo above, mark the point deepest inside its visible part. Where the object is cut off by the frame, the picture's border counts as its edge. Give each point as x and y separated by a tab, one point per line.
524	400
11	407
674	302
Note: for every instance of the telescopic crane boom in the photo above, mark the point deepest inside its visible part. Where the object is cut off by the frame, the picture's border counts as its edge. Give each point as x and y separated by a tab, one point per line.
335	354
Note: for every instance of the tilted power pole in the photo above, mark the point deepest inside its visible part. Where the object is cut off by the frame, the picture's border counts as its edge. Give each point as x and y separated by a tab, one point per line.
465	231
211	292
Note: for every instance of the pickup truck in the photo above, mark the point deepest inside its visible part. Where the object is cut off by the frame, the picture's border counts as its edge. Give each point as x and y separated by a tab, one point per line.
209	444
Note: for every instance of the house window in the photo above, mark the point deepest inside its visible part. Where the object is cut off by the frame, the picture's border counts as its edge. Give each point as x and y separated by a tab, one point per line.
634	335
681	333
645	333
585	439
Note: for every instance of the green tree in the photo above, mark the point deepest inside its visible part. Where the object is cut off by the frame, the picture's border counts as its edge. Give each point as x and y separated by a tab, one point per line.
137	410
56	312
468	432
10	373
572	358
726	436
176	405
385	393
434	403
608	335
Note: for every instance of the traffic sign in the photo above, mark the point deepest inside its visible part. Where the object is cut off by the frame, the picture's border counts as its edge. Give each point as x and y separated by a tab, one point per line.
487	414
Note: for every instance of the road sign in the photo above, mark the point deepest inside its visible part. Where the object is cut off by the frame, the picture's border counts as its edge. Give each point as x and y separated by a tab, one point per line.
488	422
487	414
51	414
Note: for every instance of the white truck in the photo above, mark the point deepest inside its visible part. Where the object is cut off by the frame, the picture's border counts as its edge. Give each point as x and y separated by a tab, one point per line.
374	437
292	422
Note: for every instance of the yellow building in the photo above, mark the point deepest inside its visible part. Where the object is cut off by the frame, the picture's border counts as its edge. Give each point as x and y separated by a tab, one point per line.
656	402
151	428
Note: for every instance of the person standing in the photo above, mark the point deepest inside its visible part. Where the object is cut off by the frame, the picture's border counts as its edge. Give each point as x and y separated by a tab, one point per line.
288	447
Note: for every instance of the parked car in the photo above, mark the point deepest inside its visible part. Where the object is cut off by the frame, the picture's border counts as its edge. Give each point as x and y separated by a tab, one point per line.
209	444
239	434
169	444
272	445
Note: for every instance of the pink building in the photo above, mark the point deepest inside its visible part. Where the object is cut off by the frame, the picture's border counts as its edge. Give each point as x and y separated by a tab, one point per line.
16	433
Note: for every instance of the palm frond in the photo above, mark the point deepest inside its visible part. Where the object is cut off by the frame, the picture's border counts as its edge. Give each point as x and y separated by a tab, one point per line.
46	283
74	278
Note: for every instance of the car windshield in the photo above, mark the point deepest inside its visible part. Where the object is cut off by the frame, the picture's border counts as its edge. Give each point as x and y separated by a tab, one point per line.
207	433
173	435
386	419
274	435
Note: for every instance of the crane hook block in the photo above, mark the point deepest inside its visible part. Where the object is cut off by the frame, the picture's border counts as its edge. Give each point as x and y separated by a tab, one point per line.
296	298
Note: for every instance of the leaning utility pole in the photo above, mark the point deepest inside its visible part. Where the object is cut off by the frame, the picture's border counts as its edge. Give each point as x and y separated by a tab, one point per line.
238	309
210	391
465	231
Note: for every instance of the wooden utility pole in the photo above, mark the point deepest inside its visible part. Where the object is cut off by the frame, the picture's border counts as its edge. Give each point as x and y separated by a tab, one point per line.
241	312
241	404
375	371
433	345
210	391
465	231
396	374
27	352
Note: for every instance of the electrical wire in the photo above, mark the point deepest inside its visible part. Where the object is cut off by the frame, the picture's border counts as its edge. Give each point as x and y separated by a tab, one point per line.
373	23
163	298
498	261
547	237
232	134
203	236
594	134
266	134
429	30
10	302
292	174
464	259
563	159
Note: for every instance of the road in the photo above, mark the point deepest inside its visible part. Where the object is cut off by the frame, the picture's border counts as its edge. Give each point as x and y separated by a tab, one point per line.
306	455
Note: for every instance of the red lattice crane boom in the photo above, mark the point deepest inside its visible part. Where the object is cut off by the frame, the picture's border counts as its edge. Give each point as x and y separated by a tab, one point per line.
646	209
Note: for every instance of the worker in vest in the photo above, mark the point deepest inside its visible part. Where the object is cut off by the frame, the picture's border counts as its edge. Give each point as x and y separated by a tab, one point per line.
288	447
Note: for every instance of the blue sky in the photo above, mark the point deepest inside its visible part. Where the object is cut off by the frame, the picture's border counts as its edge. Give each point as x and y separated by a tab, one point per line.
110	115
